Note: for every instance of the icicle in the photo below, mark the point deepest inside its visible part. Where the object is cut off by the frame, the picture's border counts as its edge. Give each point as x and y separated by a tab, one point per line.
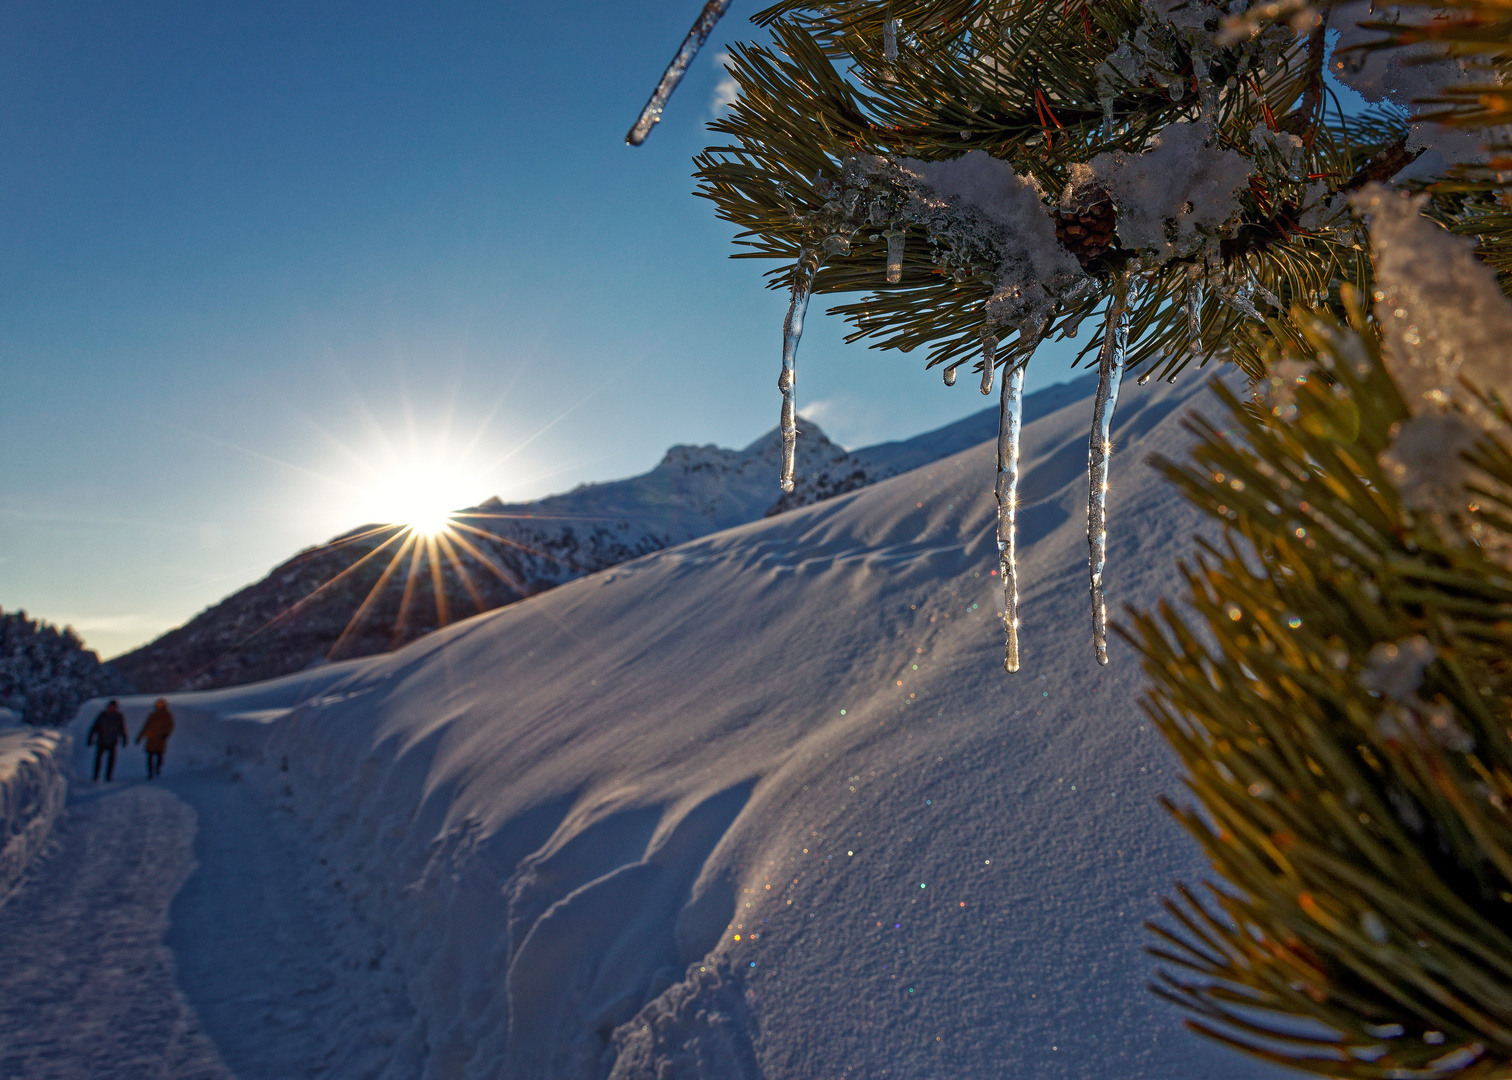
1240	301
1207	97
1010	424
950	372
1269	297
1110	363
889	49
792	334
895	255
1194	298
989	358
676	70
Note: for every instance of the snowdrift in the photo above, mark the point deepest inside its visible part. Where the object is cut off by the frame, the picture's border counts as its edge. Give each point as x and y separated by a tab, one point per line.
33	785
765	804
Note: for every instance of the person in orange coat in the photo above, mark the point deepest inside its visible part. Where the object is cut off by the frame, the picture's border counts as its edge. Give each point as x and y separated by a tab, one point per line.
155	731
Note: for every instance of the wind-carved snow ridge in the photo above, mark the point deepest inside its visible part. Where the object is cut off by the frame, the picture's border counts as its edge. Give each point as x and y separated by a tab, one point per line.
673	820
1110	364
33	785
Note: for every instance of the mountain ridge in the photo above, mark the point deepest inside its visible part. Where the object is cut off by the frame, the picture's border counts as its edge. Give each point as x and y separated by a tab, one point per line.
349	597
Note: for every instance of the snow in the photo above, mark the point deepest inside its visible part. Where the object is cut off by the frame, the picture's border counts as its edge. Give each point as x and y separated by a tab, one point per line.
1425	460
1403	76
980	201
1441	312
760	805
1174	198
32	788
1396	668
172	932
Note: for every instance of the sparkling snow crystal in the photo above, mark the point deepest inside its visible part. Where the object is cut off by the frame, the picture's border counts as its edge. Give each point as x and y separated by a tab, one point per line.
1440	308
1395	668
1425	461
1176	195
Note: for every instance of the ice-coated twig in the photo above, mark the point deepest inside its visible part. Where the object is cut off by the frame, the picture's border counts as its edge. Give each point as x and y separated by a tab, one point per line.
1010	425
989	358
1110	365
702	27
792	334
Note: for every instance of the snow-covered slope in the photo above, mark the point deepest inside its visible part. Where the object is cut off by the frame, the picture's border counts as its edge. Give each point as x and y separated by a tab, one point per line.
33	785
295	616
765	804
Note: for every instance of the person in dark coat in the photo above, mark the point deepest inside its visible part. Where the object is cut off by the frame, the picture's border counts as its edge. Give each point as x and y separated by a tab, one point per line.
155	731
108	729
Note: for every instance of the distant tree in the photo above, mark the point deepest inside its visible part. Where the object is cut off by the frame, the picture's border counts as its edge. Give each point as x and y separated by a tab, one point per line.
47	673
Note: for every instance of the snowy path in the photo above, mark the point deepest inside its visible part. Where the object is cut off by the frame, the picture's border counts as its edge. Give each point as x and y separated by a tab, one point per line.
180	931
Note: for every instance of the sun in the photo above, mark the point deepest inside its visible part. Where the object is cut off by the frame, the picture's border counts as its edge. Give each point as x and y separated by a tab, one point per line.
423	497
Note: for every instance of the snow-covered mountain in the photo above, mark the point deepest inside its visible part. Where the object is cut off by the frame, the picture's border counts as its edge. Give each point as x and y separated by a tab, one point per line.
760	805
297	615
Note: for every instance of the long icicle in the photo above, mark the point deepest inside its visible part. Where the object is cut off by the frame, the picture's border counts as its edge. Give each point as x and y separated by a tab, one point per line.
792	334
702	27
1010	425
1110	364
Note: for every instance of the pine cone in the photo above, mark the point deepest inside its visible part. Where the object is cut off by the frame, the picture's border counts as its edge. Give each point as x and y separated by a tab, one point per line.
1085	228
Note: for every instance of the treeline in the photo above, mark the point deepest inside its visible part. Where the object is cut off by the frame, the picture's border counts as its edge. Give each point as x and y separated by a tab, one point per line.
45	672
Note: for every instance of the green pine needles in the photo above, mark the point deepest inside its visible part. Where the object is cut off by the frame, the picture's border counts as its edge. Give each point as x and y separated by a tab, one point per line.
1046	89
1344	714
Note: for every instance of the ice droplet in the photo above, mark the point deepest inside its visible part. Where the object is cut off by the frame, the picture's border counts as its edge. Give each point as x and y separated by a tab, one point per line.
1110	364
702	27
895	255
989	358
792	334
950	372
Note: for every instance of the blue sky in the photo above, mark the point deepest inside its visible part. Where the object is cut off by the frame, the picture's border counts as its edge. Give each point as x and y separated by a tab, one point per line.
255	260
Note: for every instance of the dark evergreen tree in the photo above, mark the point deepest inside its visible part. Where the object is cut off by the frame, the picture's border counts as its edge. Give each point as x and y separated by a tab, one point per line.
47	673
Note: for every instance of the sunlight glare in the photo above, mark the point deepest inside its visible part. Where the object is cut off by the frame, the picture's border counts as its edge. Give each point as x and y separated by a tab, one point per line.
424	497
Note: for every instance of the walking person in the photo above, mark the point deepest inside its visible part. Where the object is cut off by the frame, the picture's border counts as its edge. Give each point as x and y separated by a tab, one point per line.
108	729
155	731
